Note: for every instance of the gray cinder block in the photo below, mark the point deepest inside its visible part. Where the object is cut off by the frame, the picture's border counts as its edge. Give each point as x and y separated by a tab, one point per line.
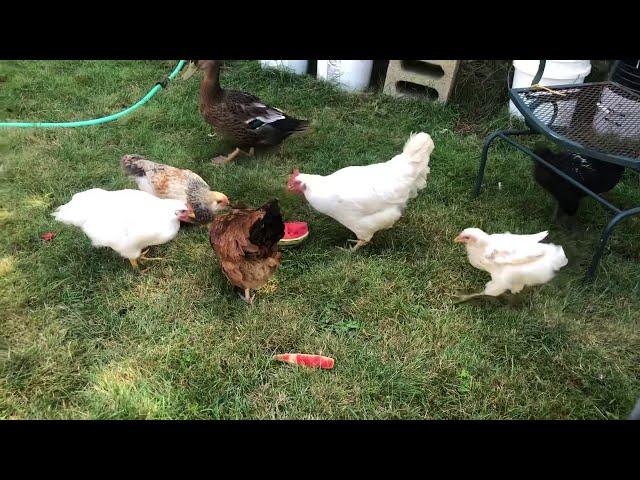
403	76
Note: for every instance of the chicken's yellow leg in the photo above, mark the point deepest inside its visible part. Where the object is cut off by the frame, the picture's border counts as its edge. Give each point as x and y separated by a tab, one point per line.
358	243
136	266
250	298
150	258
492	290
247	297
466	298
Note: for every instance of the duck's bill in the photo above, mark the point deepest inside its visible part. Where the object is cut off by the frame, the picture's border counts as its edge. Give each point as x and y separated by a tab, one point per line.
189	71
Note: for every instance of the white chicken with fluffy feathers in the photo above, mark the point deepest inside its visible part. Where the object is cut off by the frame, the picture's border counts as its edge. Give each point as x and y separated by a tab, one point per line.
514	261
369	198
125	220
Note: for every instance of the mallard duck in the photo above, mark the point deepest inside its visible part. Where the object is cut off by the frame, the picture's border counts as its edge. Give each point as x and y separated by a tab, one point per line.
239	116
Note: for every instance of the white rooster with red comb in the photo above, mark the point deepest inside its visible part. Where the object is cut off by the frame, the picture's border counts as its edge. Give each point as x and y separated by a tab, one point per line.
369	198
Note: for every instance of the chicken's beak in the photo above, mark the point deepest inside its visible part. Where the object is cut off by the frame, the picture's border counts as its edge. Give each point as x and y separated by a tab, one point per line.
191	214
190	70
458	239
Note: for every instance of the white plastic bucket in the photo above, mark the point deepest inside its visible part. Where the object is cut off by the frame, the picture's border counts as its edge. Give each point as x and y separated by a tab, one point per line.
556	72
350	75
295	66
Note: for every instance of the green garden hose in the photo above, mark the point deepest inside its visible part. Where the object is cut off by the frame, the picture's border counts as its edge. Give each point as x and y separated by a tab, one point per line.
97	121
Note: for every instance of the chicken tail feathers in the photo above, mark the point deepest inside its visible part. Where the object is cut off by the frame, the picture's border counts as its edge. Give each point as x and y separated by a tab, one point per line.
269	230
416	152
76	212
134	165
419	147
81	207
559	259
537	237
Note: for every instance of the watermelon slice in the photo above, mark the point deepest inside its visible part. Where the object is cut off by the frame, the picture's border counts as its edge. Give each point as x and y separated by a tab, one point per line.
294	233
306	360
48	236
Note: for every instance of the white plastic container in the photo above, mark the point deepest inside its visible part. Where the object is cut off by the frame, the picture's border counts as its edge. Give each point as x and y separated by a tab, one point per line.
349	75
556	72
296	66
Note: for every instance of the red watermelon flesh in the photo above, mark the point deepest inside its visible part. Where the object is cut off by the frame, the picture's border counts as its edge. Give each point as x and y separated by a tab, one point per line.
306	360
294	233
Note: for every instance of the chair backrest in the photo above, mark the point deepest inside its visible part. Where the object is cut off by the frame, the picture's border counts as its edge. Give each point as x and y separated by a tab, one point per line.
627	73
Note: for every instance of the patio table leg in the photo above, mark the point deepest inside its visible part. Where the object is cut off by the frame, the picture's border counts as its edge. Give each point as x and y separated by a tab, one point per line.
485	150
605	237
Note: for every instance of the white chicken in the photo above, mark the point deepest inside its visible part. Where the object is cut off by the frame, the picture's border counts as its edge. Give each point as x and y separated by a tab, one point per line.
125	220
369	198
514	261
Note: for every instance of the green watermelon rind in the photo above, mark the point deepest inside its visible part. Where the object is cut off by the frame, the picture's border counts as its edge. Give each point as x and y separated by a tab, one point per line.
293	241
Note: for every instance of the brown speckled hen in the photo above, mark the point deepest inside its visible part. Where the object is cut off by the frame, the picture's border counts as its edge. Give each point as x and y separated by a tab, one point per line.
246	243
240	117
165	181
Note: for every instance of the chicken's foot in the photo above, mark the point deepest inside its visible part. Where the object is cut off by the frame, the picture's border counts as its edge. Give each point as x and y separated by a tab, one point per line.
358	243
246	296
136	266
465	298
143	256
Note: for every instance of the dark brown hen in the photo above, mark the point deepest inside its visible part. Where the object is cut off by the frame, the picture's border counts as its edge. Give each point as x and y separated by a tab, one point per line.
246	243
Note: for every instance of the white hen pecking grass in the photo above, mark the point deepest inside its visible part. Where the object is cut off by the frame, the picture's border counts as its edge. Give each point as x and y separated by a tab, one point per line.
125	220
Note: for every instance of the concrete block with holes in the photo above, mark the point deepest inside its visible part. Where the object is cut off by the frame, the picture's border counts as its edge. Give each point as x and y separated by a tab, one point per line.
431	79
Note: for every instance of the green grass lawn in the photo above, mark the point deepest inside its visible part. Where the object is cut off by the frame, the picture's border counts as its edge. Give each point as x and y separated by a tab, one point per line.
84	336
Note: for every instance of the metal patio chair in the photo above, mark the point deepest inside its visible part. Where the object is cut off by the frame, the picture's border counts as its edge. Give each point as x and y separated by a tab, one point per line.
600	120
